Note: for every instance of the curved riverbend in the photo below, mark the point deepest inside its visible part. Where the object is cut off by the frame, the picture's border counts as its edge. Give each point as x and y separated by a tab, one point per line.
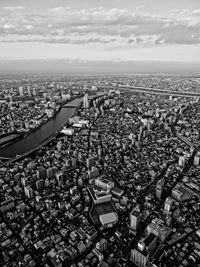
38	136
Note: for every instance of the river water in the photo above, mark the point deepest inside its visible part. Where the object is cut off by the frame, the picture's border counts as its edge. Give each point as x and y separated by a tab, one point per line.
36	137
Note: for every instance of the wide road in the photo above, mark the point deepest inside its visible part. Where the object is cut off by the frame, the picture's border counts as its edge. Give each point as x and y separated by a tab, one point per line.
151	90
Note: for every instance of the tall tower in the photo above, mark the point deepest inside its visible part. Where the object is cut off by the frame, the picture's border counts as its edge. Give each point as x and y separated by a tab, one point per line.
139	255
135	218
160	189
21	91
85	101
181	161
29	90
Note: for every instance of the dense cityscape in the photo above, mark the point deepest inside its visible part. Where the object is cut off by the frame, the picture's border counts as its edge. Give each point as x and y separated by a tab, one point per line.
100	170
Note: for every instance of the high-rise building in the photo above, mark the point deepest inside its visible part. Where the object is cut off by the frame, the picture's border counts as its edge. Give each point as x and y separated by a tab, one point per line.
50	172
24	181
28	191
98	254
168	204
104	183
181	161
85	101
150	243
41	173
46	182
139	255
102	244
39	184
196	160
135	218
145	249
29	90
21	91
158	228
90	162
59	146
160	189
35	91
59	177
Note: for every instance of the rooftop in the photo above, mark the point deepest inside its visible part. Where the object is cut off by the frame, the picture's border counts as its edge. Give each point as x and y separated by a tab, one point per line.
108	218
148	240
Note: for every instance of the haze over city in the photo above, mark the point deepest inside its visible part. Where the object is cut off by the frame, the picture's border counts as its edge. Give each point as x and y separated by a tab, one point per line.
104	36
99	133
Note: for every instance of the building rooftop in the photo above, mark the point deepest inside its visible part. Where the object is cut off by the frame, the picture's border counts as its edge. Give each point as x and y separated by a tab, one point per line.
108	218
104	180
97	192
143	252
148	240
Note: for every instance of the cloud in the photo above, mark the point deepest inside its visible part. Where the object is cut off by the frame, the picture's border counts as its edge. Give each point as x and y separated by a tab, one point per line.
61	40
139	7
13	8
98	25
196	12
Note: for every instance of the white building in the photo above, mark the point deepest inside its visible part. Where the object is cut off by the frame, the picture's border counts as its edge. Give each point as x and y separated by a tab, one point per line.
85	101
21	91
108	219
104	183
98	195
168	204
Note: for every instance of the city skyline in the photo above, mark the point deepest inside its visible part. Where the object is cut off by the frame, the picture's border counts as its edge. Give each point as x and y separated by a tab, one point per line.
100	31
100	170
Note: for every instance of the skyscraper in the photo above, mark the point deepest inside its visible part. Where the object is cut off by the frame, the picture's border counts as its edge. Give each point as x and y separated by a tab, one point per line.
85	101
29	90
160	189
28	191
139	255
21	91
168	204
41	173
39	184
196	160
145	249
150	243
135	218
181	161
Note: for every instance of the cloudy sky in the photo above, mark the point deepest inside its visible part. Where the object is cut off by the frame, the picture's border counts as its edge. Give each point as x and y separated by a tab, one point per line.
100	30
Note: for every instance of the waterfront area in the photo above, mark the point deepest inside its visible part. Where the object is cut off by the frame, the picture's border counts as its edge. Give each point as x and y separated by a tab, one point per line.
34	139
122	172
24	109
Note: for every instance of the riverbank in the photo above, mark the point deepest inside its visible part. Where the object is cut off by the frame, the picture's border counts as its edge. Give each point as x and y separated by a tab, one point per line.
10	139
41	137
25	134
43	123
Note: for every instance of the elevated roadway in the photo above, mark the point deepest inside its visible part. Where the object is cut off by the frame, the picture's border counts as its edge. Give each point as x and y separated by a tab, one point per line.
150	90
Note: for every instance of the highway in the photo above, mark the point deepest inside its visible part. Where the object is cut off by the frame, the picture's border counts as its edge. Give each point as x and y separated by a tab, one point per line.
150	90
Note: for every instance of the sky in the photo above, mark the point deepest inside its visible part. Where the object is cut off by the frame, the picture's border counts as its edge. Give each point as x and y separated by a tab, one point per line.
100	31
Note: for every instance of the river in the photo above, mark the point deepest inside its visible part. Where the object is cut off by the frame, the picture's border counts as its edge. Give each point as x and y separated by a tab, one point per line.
36	137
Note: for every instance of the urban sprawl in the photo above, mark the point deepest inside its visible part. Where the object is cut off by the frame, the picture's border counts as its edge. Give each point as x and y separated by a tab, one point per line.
118	185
